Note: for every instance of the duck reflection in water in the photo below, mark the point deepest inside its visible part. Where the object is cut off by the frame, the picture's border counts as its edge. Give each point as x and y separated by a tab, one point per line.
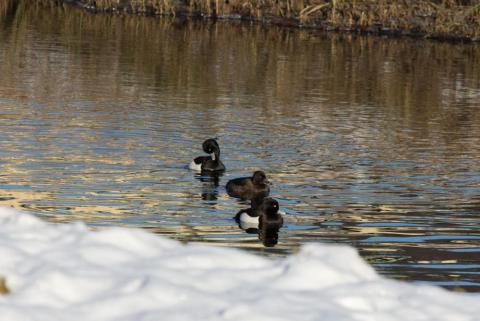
262	218
210	185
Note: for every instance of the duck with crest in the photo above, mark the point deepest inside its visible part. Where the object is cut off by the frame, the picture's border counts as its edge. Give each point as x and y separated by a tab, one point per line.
263	213
256	186
209	164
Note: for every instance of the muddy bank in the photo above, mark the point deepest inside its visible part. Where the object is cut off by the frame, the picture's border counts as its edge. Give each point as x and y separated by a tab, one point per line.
441	19
438	19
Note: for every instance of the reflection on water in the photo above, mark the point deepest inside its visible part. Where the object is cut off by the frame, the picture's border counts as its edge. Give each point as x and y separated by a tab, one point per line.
268	236
368	141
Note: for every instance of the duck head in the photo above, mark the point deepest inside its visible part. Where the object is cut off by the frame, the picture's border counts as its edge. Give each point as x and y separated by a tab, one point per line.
259	178
269	206
210	146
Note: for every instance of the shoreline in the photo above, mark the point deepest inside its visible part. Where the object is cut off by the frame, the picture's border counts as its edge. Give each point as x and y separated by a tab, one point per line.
427	20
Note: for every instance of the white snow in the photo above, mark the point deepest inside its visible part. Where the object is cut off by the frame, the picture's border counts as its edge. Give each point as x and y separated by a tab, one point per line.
67	272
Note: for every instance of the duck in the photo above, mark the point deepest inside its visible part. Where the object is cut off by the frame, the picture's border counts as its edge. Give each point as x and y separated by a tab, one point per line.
256	186
263	214
208	164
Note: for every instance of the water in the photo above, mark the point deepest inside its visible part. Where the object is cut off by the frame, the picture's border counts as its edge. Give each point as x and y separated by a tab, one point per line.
368	141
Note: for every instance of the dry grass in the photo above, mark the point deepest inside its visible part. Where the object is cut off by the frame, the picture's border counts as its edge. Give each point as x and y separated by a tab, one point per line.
456	18
434	18
3	286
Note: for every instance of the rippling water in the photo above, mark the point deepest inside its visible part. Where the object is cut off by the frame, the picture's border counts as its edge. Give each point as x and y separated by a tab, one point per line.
368	141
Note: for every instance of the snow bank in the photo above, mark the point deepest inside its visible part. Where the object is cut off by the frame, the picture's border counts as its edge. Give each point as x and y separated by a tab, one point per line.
66	272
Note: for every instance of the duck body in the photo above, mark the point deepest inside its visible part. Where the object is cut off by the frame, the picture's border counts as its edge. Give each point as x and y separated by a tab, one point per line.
249	188
270	220
263	213
208	164
247	219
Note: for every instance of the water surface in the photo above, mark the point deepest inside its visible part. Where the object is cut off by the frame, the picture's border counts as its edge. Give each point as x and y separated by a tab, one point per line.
368	141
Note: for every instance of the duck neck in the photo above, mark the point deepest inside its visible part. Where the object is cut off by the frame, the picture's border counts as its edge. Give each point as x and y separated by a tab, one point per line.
271	213
215	155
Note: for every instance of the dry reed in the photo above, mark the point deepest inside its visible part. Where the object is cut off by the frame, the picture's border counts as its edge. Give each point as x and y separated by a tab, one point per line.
435	18
3	286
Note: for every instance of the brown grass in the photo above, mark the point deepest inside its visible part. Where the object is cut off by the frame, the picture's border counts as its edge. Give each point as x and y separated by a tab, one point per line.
436	18
3	286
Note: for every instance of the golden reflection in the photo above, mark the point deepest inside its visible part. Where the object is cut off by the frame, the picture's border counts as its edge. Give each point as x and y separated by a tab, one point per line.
18	199
390	77
438	262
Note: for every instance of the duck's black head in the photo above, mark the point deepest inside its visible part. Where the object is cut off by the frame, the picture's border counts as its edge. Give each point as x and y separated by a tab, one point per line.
210	146
269	206
259	178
